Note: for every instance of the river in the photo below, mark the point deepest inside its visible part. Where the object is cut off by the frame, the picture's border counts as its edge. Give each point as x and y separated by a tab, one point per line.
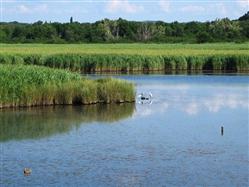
173	139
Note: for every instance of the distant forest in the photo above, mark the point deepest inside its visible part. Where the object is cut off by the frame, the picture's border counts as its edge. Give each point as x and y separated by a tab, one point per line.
123	31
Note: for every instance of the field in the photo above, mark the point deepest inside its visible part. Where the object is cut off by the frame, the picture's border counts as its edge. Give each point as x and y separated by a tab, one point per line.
127	49
130	57
35	86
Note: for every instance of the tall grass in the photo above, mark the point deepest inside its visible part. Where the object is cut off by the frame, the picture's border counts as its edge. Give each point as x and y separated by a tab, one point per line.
32	86
130	57
130	63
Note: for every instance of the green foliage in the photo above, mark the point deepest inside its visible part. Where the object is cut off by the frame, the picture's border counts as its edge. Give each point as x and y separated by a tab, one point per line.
113	31
31	86
130	57
203	37
123	92
196	63
244	17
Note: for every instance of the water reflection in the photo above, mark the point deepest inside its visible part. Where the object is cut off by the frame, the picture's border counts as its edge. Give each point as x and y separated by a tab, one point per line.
194	99
195	105
34	123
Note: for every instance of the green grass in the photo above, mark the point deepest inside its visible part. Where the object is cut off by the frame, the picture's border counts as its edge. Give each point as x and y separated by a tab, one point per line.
129	57
131	49
33	85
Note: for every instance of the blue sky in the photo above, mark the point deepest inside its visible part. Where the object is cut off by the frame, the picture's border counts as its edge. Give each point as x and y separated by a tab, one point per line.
140	10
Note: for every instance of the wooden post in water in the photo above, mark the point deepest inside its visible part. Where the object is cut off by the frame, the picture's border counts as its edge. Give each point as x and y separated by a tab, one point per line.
222	130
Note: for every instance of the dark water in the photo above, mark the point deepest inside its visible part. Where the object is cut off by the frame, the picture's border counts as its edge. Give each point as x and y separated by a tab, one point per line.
174	140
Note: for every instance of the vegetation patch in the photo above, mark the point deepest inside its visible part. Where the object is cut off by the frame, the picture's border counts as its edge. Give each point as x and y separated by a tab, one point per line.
130	57
121	30
34	86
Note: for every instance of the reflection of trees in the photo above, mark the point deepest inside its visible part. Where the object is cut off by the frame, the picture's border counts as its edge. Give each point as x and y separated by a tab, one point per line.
42	122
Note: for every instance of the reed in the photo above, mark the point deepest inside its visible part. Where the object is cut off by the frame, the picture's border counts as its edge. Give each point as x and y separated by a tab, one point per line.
34	86
130	57
130	63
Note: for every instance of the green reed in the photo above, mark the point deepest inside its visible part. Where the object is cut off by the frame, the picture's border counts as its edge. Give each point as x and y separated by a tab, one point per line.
33	85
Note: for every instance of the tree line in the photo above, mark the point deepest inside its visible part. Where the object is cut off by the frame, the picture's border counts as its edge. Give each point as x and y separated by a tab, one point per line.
121	30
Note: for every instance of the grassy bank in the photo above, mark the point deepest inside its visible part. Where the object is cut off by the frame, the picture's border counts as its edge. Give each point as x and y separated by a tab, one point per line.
130	57
34	86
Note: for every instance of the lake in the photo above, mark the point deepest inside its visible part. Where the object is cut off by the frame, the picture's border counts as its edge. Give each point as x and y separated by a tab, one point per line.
174	139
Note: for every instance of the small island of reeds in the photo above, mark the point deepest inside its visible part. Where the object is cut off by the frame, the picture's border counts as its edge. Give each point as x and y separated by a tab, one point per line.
24	86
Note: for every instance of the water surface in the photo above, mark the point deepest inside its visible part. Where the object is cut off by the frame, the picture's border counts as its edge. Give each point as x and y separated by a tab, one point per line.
174	140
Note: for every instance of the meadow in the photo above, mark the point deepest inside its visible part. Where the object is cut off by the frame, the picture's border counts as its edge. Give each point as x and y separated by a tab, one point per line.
130	57
38	86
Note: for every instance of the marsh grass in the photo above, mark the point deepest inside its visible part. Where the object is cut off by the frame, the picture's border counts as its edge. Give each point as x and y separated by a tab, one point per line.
34	86
130	63
89	58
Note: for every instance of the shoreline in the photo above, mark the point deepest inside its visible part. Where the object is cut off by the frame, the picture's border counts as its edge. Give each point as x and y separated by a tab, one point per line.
54	105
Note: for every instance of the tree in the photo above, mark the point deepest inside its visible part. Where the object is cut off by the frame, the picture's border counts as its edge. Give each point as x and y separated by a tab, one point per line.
122	30
177	29
19	32
203	37
3	36
224	29
144	32
244	17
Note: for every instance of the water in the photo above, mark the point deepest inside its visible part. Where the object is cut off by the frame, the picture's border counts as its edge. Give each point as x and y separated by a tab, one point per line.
174	140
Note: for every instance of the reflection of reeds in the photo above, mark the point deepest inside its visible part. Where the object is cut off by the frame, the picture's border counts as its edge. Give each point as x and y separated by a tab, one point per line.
34	86
133	62
29	123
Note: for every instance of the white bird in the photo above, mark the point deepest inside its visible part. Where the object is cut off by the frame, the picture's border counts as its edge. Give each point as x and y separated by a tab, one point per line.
145	96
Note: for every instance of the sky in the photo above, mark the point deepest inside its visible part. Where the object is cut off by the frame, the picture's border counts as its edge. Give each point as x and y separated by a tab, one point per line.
30	11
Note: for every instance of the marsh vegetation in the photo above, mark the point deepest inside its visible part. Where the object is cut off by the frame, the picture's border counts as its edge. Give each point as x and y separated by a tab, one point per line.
130	57
33	86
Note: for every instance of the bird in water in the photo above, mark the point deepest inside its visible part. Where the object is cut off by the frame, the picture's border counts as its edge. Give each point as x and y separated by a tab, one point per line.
27	171
144	96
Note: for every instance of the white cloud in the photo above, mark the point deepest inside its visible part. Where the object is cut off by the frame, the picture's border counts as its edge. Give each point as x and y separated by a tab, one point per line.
164	5
122	6
192	8
243	3
223	9
24	9
220	8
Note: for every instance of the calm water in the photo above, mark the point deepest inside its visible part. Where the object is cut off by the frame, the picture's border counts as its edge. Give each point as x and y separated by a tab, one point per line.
173	141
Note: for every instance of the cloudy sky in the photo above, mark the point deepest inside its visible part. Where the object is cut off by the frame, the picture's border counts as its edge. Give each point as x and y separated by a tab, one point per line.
93	10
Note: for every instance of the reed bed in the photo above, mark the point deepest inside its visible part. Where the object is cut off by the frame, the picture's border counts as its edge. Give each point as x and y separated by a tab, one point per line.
130	57
37	86
131	63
